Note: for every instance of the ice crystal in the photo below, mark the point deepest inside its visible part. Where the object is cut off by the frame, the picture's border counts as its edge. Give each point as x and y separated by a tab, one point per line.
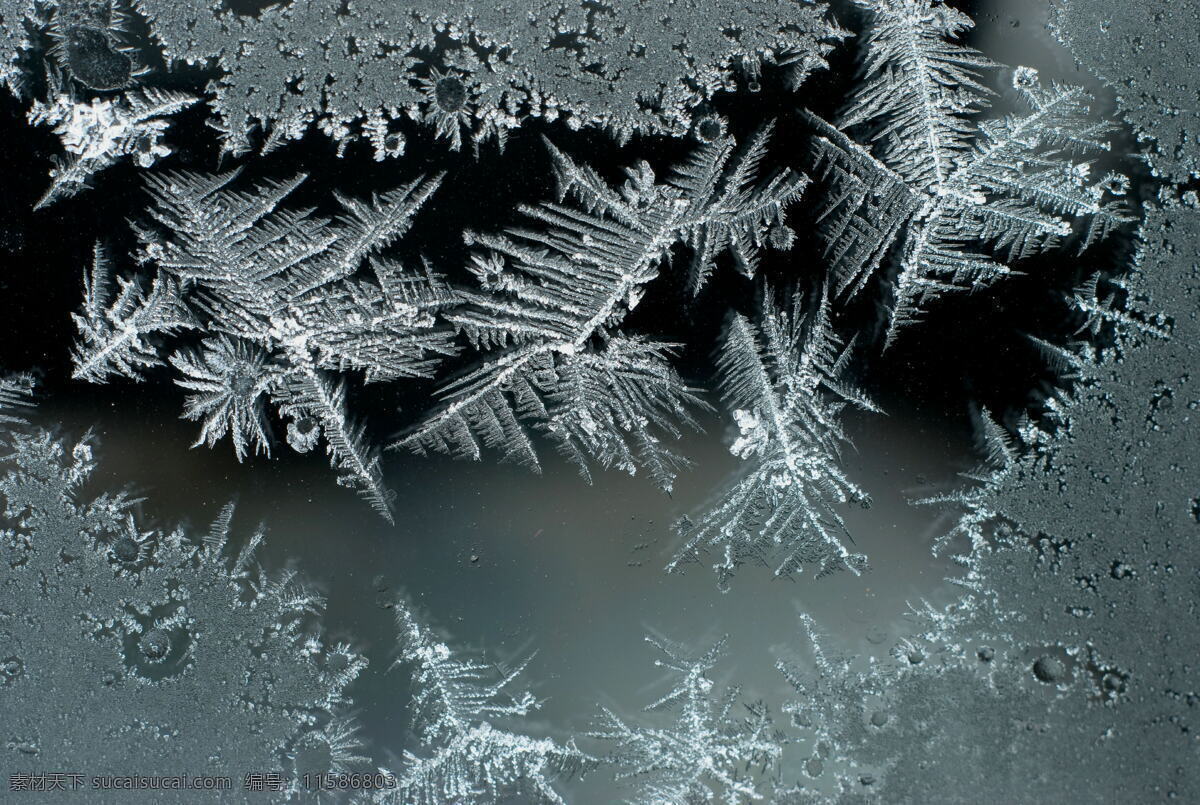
463	753
115	329
1049	675
784	379
89	41
15	39
1146	60
1100	309
110	629
230	379
98	134
16	399
707	754
555	294
463	68
950	199
977	509
280	294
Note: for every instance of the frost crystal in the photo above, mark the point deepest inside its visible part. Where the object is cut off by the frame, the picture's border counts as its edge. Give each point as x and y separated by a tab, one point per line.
115	328
88	40
707	754
14	39
461	756
555	295
1050	664
16	399
480	69
278	293
110	630
1146	60
978	510
1101	309
97	135
953	201
784	379
230	379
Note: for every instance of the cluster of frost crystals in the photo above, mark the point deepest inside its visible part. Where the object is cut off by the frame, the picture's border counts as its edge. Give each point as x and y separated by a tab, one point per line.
125	649
473	71
1070	650
708	753
98	134
463	752
940	198
16	399
753	435
284	309
1145	56
87	38
555	294
86	51
14	38
784	377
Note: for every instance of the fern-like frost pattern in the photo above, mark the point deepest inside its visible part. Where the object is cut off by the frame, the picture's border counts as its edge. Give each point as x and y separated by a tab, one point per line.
784	379
286	312
708	753
554	294
944	202
463	752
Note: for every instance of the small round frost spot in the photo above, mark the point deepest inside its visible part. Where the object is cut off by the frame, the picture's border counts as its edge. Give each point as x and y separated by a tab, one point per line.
709	129
450	93
1113	683
126	550
93	60
1050	670
155	644
393	144
303	433
1025	77
781	237
11	669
